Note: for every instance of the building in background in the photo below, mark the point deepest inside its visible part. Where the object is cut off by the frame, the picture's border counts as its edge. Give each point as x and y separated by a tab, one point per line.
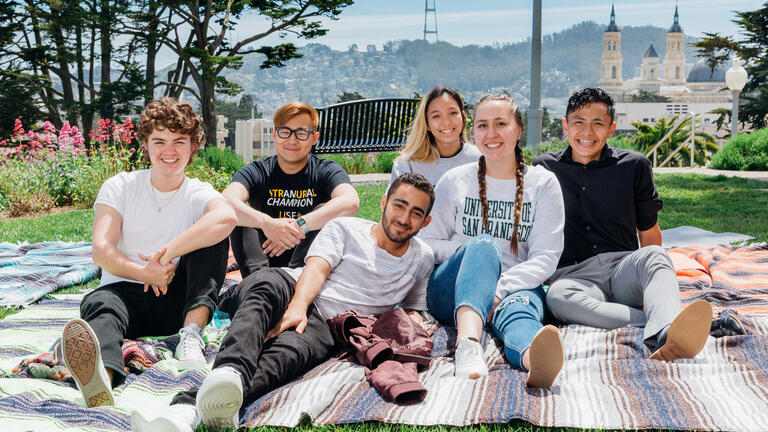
700	92
253	139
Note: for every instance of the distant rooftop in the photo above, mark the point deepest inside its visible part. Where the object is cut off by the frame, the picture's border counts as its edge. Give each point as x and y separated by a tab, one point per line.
651	52
701	73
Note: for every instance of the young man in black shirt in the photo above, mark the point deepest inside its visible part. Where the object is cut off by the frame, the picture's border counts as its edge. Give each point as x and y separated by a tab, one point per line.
282	201
603	278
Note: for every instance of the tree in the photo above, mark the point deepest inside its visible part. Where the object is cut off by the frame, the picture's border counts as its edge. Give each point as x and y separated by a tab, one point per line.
753	50
648	135
551	128
207	50
237	111
645	96
17	100
723	120
61	46
348	97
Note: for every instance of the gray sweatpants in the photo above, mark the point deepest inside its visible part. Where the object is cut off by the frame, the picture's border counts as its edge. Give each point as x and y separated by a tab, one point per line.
617	289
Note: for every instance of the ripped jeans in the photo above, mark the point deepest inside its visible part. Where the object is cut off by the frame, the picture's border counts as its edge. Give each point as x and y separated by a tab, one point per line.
469	278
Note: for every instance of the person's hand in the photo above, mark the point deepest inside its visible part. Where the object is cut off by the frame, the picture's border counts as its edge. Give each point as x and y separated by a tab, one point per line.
282	234
294	316
272	249
156	274
496	302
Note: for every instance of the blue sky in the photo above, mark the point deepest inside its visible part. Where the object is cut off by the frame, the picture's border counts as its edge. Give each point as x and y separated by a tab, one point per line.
485	22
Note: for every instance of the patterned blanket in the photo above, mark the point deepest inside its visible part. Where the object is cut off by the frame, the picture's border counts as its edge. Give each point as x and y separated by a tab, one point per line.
607	381
30	271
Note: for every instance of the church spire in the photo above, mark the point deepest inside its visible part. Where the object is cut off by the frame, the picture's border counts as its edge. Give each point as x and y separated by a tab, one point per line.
676	24
612	27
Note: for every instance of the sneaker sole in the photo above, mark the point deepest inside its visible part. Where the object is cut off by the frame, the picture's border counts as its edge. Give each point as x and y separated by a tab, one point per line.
218	405
687	334
81	355
546	358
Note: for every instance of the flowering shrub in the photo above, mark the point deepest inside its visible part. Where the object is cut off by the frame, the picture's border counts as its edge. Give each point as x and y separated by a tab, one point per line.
40	169
45	168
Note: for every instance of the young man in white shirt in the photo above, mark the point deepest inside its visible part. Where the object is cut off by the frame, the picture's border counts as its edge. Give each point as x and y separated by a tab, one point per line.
161	241
278	329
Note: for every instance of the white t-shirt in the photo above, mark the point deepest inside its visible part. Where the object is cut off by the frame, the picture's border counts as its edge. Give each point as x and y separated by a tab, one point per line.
366	278
145	230
457	217
435	169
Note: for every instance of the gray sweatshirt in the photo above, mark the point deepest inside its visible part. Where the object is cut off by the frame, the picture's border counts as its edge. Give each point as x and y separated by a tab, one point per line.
435	169
457	217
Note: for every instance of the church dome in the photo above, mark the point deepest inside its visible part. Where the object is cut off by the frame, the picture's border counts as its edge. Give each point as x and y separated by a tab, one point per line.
701	73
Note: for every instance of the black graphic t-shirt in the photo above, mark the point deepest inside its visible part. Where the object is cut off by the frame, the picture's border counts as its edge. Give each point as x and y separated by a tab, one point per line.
282	195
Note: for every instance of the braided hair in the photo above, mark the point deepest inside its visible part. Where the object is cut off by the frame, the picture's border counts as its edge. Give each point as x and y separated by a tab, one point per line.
519	172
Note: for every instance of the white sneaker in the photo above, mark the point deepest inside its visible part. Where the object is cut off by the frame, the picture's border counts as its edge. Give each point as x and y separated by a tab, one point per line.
469	359
175	418
220	398
190	349
82	355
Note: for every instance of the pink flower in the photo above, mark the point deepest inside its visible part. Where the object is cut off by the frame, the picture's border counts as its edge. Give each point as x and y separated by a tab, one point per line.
18	129
48	127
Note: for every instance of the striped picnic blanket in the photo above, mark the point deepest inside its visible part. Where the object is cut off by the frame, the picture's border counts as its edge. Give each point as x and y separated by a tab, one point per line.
607	381
30	271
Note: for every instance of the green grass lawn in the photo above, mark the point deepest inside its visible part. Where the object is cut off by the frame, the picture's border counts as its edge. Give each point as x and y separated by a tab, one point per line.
714	203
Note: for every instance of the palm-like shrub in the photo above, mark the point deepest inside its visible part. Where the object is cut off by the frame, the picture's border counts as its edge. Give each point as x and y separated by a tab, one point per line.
648	135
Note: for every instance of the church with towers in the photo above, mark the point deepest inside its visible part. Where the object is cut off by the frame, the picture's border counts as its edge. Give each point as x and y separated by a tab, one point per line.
688	87
665	77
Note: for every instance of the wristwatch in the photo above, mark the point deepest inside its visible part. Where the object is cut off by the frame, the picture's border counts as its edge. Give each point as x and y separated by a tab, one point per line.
302	224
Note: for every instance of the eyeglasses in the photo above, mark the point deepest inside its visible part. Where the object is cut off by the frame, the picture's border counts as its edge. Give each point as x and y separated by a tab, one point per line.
301	134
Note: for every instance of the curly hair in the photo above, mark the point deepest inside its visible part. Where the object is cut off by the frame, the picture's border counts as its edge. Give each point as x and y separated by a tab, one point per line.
588	96
168	113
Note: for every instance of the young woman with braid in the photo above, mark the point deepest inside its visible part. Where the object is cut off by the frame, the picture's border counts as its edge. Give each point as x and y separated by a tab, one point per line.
497	234
436	141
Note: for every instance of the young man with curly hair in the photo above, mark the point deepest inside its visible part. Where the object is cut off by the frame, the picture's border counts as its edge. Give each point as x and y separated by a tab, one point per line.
161	241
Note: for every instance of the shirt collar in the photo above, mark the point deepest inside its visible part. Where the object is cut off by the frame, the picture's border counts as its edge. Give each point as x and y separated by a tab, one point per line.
607	154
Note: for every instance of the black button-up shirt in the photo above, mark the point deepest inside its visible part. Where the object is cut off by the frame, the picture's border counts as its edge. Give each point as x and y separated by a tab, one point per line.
606	201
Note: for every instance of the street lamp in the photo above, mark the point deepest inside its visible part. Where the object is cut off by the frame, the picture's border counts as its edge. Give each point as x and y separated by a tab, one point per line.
735	79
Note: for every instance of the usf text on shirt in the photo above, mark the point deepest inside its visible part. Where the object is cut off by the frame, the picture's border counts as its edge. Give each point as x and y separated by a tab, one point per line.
457	217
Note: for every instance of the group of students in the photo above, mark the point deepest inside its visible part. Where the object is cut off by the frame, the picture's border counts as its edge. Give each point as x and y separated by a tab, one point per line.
493	232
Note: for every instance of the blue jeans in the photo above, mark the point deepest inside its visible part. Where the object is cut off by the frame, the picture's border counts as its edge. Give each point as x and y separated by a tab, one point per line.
469	278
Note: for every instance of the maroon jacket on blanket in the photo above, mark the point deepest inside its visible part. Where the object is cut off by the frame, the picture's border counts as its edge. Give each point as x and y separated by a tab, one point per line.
390	346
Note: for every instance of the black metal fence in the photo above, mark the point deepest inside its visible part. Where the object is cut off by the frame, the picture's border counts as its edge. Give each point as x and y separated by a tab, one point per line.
365	125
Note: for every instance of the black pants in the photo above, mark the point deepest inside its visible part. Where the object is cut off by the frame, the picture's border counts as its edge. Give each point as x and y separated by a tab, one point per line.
255	308
246	247
122	310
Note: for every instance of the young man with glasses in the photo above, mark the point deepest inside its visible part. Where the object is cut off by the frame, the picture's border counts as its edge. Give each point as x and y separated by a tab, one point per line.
282	201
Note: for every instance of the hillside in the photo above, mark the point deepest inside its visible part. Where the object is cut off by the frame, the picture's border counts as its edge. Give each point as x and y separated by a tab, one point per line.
570	58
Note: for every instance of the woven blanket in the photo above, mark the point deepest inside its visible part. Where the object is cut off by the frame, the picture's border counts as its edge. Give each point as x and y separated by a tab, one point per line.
607	381
30	271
